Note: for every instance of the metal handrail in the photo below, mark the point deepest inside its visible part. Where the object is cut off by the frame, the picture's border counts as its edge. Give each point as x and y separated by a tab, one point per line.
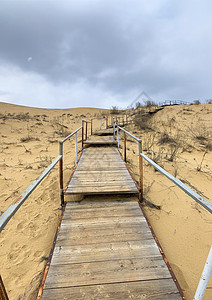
61	153
12	209
125	154
206	275
70	135
130	134
206	204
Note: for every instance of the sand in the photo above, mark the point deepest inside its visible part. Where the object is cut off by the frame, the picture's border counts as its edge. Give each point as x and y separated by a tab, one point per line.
29	142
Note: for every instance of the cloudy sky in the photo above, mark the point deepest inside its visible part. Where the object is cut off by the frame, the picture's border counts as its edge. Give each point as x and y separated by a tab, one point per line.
99	53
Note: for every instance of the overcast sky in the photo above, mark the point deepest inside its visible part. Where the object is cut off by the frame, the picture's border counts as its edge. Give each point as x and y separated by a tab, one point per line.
99	53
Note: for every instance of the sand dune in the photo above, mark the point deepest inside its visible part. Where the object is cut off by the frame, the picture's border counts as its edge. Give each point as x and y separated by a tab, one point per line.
177	138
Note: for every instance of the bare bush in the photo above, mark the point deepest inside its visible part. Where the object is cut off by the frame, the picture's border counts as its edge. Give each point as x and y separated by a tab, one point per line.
149	142
114	110
166	139
149	103
143	122
173	151
138	105
200	132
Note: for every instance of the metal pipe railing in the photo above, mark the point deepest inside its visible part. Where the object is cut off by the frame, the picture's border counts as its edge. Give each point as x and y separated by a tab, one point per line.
206	275
125	155
70	135
12	209
206	204
61	153
130	134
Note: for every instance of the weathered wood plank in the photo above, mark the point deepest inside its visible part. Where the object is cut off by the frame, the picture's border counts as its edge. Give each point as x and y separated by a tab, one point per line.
160	289
108	131
104	272
74	236
86	204
100	192
114	182
104	212
101	172
115	221
105	251
110	246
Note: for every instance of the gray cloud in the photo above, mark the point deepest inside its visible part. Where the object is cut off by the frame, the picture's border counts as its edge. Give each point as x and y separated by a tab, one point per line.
112	49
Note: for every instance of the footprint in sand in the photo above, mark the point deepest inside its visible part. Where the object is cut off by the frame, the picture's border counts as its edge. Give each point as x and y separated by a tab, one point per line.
20	225
14	252
18	253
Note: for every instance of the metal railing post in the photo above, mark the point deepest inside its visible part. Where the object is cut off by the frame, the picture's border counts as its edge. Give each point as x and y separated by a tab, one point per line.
206	274
123	120
114	129
91	126
61	174
3	293
106	123
125	147
75	147
100	124
86	130
82	133
117	134
140	172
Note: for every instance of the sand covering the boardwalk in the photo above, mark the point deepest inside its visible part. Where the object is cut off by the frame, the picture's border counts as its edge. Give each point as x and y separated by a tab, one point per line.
177	138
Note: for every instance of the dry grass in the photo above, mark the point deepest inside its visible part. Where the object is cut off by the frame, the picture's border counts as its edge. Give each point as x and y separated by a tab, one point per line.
143	121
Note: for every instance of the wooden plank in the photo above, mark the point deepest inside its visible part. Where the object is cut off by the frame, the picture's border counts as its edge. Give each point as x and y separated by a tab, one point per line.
98	185
73	236
108	131
104	252
160	289
101	221
99	168
100	192
110	246
106	149
100	178
95	174
104	272
85	204
104	212
100	142
101	189
124	171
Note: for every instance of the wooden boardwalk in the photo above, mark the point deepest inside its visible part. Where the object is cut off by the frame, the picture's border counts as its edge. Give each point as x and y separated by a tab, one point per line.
101	170
105	250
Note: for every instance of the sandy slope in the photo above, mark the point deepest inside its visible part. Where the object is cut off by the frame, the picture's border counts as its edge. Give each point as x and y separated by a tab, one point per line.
29	142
